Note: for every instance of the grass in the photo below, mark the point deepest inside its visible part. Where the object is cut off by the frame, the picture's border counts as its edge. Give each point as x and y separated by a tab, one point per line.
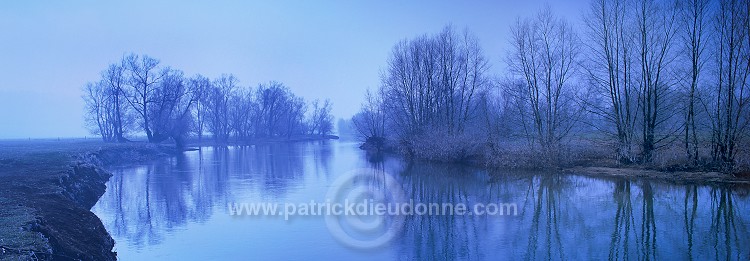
14	221
46	190
26	166
590	156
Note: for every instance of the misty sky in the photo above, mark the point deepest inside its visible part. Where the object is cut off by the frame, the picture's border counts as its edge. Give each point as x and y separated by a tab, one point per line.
319	49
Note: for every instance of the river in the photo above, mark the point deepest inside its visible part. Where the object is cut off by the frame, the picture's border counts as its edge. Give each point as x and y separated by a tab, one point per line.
183	207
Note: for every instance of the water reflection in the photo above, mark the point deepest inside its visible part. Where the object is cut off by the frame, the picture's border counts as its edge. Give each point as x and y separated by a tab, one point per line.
624	227
439	237
144	202
176	208
724	227
570	217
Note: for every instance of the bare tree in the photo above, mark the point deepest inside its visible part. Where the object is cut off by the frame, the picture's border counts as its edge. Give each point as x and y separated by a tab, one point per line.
432	83
271	101
107	107
321	120
114	79
695	18
656	30
170	108
544	57
729	113
98	115
142	81
410	83
293	116
218	106
370	120
201	87
241	110
611	72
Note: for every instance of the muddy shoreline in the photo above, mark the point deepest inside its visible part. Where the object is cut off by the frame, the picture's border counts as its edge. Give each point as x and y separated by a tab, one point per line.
677	177
51	191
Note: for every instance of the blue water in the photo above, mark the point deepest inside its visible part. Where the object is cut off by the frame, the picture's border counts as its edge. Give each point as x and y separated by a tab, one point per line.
177	209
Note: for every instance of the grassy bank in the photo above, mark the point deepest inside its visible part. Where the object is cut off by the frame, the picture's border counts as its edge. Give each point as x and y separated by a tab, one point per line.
47	188
583	157
209	141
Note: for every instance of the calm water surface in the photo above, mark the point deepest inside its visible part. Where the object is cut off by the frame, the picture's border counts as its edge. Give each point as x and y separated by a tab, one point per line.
176	208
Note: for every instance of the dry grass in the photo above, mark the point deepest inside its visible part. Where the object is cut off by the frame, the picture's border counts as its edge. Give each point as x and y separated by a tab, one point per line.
46	188
581	152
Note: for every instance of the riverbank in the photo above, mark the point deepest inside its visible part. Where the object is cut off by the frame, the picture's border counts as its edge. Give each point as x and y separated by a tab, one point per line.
209	141
47	188
583	159
677	177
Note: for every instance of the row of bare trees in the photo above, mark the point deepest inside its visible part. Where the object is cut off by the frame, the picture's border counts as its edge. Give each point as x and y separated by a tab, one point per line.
138	96
666	69
649	76
432	84
634	70
138	93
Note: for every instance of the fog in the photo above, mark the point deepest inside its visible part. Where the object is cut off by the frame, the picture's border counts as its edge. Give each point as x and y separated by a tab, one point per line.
335	49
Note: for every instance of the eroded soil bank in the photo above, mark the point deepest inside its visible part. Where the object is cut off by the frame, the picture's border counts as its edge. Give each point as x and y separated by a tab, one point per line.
47	189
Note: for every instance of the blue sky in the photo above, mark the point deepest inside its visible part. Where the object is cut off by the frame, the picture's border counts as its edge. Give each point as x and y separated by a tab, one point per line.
320	49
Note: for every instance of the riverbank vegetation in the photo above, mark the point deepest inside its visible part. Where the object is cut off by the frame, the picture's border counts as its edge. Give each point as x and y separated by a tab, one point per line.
658	84
138	96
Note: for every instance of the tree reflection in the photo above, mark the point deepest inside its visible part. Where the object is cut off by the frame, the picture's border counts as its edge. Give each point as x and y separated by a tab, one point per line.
559	216
624	221
441	237
691	209
278	164
322	154
142	203
558	222
648	224
545	228
711	226
724	229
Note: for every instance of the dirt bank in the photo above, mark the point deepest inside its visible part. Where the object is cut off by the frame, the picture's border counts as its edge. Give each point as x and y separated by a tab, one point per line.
679	177
47	189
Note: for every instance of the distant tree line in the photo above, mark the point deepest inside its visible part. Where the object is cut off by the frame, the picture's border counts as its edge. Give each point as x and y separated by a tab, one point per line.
139	96
650	81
